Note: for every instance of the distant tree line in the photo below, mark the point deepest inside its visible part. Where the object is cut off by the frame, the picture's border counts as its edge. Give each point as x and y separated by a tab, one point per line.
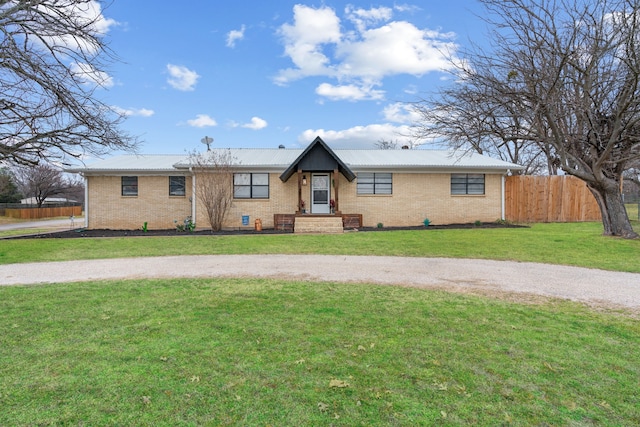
40	183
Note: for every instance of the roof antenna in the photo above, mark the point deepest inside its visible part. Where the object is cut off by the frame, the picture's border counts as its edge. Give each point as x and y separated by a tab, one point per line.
207	140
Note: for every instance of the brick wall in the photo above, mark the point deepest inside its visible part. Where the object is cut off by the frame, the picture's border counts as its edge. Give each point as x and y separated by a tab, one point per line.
416	196
109	209
283	198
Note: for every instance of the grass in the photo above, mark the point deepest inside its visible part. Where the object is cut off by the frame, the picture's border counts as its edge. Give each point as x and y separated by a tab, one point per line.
578	244
264	352
632	211
25	231
203	352
22	232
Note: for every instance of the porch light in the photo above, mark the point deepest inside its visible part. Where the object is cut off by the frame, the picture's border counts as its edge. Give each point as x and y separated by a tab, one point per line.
304	179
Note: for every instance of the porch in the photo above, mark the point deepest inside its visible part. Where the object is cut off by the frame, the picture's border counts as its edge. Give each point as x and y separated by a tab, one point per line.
317	170
316	223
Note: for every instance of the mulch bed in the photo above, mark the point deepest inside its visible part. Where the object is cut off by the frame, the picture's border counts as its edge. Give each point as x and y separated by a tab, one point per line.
84	233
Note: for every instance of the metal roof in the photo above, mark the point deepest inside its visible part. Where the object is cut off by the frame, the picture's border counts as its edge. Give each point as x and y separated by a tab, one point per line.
131	163
254	157
281	159
421	159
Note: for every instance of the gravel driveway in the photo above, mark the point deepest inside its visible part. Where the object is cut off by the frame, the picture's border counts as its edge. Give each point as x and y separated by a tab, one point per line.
499	278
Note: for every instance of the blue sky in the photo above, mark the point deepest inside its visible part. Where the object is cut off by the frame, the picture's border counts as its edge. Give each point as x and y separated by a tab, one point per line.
265	73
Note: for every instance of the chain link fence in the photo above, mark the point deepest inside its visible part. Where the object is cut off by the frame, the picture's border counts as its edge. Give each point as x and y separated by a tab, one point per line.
632	203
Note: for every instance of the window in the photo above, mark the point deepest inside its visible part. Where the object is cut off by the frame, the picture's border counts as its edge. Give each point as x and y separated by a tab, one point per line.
177	186
374	183
129	185
251	185
467	183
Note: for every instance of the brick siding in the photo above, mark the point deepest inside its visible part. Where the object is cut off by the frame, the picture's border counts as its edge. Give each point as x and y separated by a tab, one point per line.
109	209
283	198
416	196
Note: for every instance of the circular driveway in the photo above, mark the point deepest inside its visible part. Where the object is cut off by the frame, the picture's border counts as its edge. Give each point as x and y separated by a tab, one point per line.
502	278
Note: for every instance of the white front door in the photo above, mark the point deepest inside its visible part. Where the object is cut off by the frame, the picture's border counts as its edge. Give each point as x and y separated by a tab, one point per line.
320	190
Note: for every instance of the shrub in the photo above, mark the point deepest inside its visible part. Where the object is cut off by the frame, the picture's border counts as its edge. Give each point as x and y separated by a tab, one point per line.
188	225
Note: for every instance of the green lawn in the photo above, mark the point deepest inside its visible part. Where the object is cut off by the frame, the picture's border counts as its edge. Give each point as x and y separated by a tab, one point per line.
262	352
189	352
632	211
22	232
579	244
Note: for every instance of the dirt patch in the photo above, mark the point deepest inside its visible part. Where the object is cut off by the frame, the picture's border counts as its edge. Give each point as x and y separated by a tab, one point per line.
89	233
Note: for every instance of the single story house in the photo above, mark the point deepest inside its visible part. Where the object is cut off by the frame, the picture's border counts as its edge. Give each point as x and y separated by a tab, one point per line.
280	186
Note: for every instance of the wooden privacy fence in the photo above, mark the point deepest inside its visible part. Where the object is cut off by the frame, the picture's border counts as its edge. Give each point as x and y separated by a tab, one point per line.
549	199
37	213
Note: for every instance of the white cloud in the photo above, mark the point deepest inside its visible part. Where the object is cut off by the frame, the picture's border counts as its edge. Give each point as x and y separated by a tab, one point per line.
234	35
401	113
92	13
406	8
412	89
348	92
202	121
320	44
359	137
362	18
256	124
312	28
182	78
137	112
87	74
87	15
396	48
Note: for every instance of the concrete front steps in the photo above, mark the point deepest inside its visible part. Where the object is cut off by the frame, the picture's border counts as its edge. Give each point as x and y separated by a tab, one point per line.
318	224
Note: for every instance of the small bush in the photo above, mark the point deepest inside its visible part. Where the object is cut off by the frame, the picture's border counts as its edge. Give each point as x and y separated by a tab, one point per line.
188	225
478	223
426	222
380	225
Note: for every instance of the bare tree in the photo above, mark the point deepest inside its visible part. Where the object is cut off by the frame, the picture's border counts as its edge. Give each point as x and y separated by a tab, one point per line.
74	189
53	61
213	173
41	182
383	144
468	117
569	72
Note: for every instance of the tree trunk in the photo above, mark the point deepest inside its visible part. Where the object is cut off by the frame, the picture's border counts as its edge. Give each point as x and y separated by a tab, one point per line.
614	215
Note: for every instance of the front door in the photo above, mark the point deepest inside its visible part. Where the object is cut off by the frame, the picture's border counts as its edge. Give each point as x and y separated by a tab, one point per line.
320	189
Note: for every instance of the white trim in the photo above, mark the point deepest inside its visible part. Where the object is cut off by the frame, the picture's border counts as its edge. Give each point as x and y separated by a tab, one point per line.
136	172
193	198
502	199
86	202
430	169
321	206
